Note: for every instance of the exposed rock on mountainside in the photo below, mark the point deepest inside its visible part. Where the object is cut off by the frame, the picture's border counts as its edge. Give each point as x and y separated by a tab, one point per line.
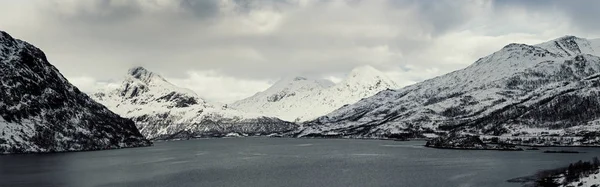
553	86
40	111
301	99
162	110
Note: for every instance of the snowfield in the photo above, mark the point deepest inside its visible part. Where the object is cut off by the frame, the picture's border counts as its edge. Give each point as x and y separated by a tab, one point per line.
551	86
589	181
162	110
300	99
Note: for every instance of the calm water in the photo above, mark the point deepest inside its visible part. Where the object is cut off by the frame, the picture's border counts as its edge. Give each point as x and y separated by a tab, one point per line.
279	162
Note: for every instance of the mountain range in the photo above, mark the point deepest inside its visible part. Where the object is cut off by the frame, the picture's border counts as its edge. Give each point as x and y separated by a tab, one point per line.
162	110
40	111
301	99
552	87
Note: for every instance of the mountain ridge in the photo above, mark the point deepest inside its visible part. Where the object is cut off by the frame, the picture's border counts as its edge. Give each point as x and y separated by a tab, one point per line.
40	111
290	99
162	110
475	99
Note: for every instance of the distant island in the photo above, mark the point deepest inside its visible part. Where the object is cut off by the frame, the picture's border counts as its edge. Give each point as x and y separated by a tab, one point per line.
466	142
545	139
562	151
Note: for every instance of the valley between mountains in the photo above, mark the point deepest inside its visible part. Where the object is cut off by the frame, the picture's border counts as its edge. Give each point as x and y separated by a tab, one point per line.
538	95
162	110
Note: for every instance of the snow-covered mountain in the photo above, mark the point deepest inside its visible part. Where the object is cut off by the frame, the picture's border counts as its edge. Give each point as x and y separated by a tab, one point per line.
302	99
162	110
40	111
552	87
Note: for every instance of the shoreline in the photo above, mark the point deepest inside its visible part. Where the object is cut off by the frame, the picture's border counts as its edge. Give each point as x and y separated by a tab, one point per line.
475	149
565	146
332	138
76	151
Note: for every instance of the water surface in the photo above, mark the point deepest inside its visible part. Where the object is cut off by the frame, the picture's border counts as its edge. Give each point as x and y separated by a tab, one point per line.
280	162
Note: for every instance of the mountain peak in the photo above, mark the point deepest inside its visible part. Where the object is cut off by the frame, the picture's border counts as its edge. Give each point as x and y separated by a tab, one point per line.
140	80
569	38
299	99
64	118
293	84
144	75
569	45
4	35
367	76
294	78
364	70
143	86
299	78
138	71
7	41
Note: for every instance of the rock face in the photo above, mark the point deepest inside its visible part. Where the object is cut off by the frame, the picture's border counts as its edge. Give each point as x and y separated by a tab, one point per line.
302	99
162	110
40	111
521	88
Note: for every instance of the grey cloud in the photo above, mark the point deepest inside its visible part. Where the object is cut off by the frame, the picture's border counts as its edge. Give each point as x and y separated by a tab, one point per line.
265	40
111	11
308	45
98	11
582	14
201	8
441	15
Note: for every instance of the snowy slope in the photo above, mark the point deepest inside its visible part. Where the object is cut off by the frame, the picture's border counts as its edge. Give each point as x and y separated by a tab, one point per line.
592	180
162	110
40	111
301	99
552	85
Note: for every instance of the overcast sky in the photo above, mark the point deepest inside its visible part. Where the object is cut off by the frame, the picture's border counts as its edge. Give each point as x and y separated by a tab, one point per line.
230	49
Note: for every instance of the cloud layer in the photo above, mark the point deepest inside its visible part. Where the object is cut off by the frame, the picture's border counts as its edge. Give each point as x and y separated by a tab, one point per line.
230	49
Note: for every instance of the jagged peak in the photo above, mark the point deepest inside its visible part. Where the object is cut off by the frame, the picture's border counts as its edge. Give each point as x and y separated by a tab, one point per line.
563	39
4	35
144	75
138	71
6	40
140	80
571	46
569	38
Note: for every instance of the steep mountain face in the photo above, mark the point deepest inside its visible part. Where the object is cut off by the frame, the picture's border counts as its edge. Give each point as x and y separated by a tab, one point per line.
302	99
40	111
162	110
553	86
